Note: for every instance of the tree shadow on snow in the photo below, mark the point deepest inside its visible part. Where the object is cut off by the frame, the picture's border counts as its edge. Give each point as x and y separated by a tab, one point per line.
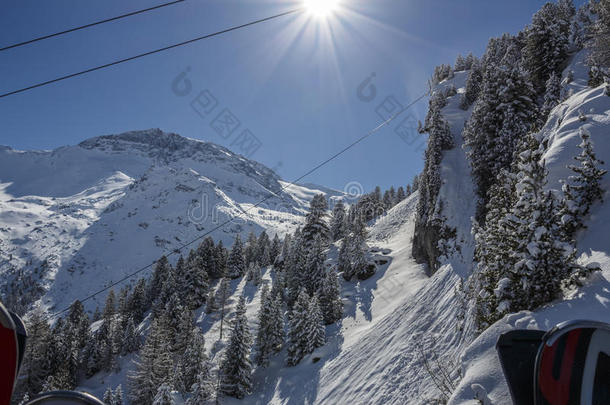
299	384
360	293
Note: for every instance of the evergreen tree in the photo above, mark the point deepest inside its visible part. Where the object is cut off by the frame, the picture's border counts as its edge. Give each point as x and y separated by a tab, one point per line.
203	390
358	249
195	282
131	338
337	227
306	328
236	369
596	77
262	252
601	34
36	365
552	95
210	259
154	365
78	324
251	250
270	336
110	306
501	118
315	221
162	269
298	335
164	396
317	332
473	86
295	264
460	64
546	44
118	395
194	361
108	397
494	244
137	301
222	294
400	194
344	263
313	275
263	341
330	298
275	250
236	263
582	189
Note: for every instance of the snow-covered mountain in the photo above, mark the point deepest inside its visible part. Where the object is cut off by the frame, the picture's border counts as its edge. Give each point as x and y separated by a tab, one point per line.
80	217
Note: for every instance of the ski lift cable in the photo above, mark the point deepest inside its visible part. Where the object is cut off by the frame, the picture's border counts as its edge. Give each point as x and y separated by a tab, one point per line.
282	189
141	55
89	25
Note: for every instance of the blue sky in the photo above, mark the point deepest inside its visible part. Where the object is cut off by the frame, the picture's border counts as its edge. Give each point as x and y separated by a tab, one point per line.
292	83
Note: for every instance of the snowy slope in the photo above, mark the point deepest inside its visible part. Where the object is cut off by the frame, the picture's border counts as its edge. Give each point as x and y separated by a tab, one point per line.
480	362
396	318
102	209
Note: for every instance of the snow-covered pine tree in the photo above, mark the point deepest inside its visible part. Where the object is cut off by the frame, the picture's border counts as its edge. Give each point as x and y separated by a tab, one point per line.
263	245
344	262
596	76
110	306
400	194
203	390
162	269
294	265
196	282
546	44
315	221
236	369
236	263
251	249
131	338
164	396
330	298
306	328
36	364
276	324
501	117
154	365
387	200
584	188
78	323
298	335
541	259
337	227
460	64
552	96
313	274
316	333
210	259
263	341
138	302
275	250
108	397
473	85
358	249
494	244
601	34
194	361
118	395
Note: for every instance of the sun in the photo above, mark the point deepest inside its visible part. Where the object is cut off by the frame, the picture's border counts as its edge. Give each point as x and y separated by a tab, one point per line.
321	8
